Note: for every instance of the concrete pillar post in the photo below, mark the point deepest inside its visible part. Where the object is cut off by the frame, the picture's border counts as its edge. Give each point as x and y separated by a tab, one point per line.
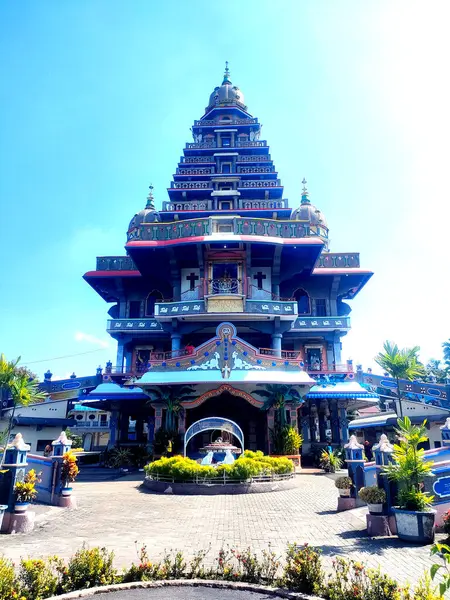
276	343
176	341
335	436
113	428
270	427
343	422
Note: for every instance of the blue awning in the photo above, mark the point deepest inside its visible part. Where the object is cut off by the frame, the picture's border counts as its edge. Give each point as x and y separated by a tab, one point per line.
42	421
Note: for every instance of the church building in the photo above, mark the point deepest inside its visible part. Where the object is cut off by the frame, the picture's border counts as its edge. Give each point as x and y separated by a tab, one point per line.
229	291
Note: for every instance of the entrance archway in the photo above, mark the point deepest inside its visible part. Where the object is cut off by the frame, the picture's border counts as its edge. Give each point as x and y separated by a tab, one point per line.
250	418
214	424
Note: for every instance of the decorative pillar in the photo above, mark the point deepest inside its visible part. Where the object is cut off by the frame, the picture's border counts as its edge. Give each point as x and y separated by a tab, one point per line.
270	426
113	428
150	430
176	341
158	416
312	423
383	452
61	445
323	422
293	408
343	422
335	437
305	429
124	427
182	422
276	343
14	471
355	464
139	429
120	353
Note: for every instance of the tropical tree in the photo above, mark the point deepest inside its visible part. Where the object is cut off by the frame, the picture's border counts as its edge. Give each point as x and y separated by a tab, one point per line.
400	364
171	397
276	395
434	371
446	350
19	386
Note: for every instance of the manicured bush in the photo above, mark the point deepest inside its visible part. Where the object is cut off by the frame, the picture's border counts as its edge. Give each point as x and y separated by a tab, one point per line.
372	495
88	568
343	483
250	464
303	570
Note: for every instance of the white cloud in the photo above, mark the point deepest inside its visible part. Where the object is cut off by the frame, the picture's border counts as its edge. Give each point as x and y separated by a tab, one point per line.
81	336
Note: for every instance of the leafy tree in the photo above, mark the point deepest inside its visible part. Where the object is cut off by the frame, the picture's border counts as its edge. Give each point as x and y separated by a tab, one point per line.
446	350
434	370
171	397
77	440
400	364
276	395
19	386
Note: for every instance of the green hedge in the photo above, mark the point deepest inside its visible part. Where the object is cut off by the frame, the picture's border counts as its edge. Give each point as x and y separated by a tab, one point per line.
250	464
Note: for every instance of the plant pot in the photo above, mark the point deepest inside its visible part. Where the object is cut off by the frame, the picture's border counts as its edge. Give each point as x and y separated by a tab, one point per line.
415	526
21	507
66	491
375	509
344	493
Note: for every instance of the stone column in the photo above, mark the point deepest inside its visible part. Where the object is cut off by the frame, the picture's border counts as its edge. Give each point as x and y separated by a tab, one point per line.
158	416
113	428
335	434
182	422
176	341
343	421
293	408
270	426
276	343
120	353
139	429
312	423
150	429
124	426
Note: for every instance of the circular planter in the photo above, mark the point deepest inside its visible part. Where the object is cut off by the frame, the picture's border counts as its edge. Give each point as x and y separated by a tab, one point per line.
415	526
21	507
375	509
66	491
344	493
287	482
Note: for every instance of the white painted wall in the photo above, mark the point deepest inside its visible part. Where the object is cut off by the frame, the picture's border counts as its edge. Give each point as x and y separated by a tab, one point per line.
186	286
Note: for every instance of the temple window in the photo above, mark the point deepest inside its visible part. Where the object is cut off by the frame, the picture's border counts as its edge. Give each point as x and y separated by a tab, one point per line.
303	302
321	307
226	141
134	309
226	168
225	206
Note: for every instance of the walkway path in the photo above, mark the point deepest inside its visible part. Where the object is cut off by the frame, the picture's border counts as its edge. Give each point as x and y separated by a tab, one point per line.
116	514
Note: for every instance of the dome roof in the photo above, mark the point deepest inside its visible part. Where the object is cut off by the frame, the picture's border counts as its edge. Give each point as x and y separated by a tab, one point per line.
308	212
148	215
227	93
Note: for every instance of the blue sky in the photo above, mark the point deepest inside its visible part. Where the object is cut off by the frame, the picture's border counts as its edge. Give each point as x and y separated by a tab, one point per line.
96	101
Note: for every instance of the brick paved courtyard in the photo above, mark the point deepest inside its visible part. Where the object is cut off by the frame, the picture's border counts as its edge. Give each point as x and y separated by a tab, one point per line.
115	514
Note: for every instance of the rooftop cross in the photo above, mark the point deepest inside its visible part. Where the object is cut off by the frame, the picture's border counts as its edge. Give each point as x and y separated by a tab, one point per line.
305	199
150	199
226	75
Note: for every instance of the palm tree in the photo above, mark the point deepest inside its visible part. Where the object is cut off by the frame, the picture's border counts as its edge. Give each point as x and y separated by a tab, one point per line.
446	349
171	396
19	386
400	364
276	396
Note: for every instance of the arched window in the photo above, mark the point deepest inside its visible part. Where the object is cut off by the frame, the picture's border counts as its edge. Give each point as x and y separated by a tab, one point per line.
303	302
154	296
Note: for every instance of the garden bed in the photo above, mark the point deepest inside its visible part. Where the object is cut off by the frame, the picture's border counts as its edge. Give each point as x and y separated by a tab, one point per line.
213	487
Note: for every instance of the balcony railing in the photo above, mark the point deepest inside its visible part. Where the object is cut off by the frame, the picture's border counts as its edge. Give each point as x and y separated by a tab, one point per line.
259	183
333	260
207	145
224	285
115	263
207	226
92	424
214	122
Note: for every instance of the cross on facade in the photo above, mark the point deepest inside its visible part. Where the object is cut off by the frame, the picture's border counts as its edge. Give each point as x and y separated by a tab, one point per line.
192	278
259	278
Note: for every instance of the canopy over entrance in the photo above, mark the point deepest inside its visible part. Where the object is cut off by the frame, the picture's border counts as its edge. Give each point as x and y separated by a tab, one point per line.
212	423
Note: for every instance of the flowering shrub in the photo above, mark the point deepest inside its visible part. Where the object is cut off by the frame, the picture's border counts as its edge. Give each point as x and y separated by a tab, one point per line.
303	570
38	579
69	468
9	585
251	464
87	568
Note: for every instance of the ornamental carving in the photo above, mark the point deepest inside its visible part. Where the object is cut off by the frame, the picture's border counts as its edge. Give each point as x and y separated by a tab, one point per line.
225	305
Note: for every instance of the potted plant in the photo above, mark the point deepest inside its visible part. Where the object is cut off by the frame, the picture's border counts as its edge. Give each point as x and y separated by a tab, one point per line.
374	497
69	472
330	461
413	516
25	491
344	485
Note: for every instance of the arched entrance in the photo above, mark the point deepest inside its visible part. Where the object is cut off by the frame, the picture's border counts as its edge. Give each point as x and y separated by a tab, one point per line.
251	419
212	424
